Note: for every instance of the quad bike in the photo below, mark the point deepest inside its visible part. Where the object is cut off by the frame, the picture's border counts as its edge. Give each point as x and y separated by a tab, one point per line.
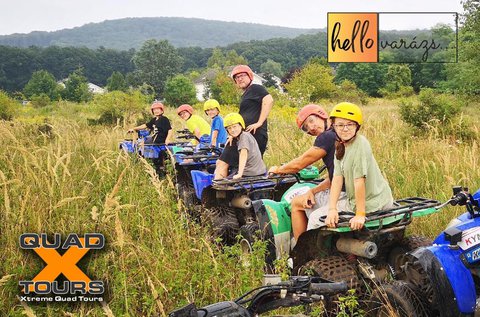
130	145
227	203
446	275
373	254
186	159
297	291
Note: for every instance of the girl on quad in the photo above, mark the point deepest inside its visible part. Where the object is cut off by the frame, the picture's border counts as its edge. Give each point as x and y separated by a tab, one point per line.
310	206
354	165
161	132
250	161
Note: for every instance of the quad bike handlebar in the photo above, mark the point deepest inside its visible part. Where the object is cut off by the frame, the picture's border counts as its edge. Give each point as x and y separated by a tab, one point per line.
299	290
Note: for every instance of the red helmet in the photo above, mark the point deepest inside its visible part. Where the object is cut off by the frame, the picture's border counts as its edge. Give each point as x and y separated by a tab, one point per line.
157	105
242	69
308	110
186	108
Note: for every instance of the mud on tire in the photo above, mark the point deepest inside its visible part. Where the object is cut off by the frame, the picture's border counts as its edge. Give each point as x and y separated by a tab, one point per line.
333	268
398	255
396	299
223	223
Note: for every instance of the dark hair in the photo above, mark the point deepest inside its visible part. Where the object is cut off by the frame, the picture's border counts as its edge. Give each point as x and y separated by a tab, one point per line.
339	150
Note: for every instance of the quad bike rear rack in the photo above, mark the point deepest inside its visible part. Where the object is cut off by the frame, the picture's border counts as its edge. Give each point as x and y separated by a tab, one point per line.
249	182
400	215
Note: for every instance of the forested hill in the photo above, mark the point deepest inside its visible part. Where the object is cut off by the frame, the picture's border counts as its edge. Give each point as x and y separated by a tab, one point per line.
123	34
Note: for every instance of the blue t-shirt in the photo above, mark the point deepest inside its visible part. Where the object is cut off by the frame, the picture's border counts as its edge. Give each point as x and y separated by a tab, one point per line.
217	124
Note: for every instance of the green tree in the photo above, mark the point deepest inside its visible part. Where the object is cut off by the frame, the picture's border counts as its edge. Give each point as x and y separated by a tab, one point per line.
271	67
311	83
8	107
116	82
465	75
76	87
42	82
221	60
179	90
369	77
223	89
118	106
156	62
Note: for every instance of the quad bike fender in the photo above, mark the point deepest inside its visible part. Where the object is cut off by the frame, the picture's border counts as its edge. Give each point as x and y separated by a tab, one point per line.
275	224
200	181
450	279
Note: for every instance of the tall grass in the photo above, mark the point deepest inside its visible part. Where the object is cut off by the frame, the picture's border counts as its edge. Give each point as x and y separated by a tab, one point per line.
65	176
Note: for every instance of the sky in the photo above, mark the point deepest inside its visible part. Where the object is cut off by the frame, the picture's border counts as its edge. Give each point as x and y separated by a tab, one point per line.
24	16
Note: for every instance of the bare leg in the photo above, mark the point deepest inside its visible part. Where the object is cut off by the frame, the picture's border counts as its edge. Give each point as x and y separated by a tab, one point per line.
221	169
299	218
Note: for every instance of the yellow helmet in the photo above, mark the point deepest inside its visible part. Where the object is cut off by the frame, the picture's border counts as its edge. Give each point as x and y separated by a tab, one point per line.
233	118
347	110
211	104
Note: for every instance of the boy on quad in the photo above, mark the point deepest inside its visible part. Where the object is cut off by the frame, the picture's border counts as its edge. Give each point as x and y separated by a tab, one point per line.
196	124
313	120
218	134
162	133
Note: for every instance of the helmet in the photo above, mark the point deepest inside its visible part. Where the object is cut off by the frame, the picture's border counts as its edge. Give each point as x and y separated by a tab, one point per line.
186	108
157	105
211	104
308	110
347	110
242	69
233	118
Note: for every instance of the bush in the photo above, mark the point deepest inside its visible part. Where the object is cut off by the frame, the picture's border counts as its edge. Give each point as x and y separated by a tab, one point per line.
40	101
117	105
348	91
223	89
431	109
8	107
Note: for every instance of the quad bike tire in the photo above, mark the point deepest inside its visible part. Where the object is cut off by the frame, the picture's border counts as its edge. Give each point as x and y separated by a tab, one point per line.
398	255
249	233
333	268
396	299
223	222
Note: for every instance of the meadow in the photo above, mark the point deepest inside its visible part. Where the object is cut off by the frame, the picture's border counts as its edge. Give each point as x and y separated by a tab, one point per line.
59	174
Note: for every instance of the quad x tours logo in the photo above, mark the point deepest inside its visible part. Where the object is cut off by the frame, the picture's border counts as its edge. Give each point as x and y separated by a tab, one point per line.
61	279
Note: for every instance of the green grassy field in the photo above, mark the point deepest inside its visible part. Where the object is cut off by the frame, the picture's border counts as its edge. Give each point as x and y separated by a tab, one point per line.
68	177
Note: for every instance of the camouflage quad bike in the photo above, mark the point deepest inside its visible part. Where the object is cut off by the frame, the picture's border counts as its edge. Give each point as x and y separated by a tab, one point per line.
373	253
227	203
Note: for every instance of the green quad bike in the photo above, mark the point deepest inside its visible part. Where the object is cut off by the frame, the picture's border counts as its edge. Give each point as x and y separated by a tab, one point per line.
372	254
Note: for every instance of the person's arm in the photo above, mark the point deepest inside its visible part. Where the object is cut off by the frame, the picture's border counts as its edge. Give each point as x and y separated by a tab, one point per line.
196	132
312	155
169	136
308	199
140	127
335	189
242	161
214	137
267	104
357	222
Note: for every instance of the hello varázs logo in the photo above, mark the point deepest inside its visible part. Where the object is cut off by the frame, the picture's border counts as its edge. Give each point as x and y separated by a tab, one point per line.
61	279
360	37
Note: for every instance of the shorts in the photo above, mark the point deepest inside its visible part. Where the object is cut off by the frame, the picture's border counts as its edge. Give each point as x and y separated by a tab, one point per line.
321	208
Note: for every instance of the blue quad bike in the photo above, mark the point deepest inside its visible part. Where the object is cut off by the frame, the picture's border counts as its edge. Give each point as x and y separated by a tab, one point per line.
201	157
446	275
297	291
157	153
226	204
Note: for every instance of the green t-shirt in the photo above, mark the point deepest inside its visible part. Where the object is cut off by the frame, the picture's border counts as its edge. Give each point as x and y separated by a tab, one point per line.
195	122
359	162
